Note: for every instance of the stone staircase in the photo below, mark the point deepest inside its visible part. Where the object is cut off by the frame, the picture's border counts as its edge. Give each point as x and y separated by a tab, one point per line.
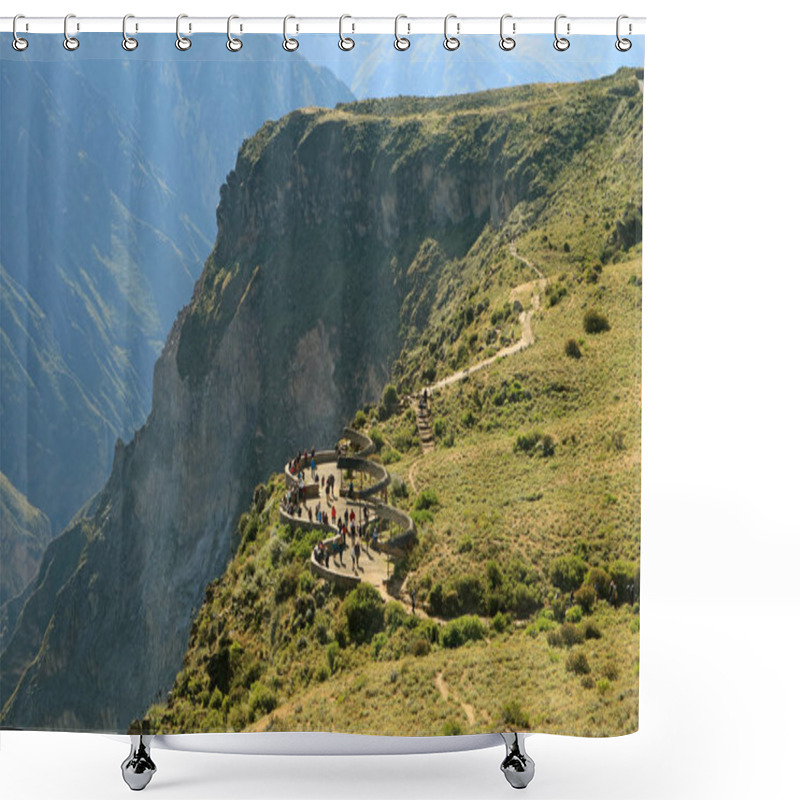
424	425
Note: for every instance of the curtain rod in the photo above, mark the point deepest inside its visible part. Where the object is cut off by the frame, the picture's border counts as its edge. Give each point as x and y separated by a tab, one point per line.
461	26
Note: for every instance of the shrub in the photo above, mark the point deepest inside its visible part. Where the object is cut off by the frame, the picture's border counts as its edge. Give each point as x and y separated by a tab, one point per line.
467	419
332	654
610	672
390	399
363	610
526	599
595	322
439	428
360	419
535	442
501	622
398	489
377	437
586	597
625	575
426	499
587	682
574	615
420	647
451	728
570	634
600	581
591	631
603	685
572	349
567	572
262	701
462	630
578	663
514	716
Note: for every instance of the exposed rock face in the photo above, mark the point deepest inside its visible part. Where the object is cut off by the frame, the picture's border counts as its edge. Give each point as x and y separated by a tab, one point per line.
26	533
293	324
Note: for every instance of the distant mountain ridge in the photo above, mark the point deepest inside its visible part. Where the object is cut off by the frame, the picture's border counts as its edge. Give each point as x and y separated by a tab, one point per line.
97	260
374	68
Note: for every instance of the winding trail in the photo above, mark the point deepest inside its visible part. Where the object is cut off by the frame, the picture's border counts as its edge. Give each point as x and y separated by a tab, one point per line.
533	290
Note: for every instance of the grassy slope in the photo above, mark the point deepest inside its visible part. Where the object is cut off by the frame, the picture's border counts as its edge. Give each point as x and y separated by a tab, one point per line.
271	648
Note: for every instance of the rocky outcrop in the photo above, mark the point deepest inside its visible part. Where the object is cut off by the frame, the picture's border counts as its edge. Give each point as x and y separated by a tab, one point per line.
293	325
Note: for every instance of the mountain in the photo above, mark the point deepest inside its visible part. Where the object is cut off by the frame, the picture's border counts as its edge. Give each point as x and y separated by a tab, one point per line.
111	171
374	68
295	323
26	534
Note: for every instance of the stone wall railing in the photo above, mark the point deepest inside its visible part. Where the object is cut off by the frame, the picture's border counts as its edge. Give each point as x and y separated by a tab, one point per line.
372	468
364	445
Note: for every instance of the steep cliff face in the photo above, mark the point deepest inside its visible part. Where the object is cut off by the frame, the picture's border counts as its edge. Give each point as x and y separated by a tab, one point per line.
26	533
293	324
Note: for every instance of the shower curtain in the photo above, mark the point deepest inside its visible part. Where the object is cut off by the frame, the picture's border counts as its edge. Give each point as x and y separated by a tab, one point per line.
320	385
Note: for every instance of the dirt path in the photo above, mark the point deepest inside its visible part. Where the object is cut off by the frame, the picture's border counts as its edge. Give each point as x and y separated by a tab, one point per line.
444	691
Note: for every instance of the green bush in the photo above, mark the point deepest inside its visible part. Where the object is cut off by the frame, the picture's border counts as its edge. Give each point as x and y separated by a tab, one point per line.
572	349
535	442
574	615
360	420
600	581
363	610
514	716
501	622
426	499
603	686
262	701
420	647
567	572
439	428
390	400
451	728
527	600
578	663
570	634
463	629
586	597
377	437
591	631
333	654
595	322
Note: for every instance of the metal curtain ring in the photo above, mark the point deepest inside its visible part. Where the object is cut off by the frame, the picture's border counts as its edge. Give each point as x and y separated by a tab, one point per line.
400	42
561	43
233	44
450	42
18	43
506	42
345	42
181	42
623	45
289	44
70	42
128	42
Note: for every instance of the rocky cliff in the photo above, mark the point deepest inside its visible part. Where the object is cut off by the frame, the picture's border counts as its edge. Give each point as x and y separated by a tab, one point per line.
293	324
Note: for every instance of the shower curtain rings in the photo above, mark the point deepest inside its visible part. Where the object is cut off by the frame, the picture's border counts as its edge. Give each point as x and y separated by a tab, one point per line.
128	42
70	42
345	42
18	43
506	42
181	42
289	44
623	45
561	43
233	44
450	42
400	42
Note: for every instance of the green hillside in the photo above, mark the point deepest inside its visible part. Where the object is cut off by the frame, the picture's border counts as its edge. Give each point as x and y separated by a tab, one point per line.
523	480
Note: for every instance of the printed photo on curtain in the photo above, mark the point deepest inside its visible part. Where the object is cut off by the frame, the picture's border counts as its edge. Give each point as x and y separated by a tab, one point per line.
321	385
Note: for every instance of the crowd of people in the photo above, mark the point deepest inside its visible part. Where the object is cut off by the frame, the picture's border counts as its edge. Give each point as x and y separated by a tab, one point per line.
348	528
